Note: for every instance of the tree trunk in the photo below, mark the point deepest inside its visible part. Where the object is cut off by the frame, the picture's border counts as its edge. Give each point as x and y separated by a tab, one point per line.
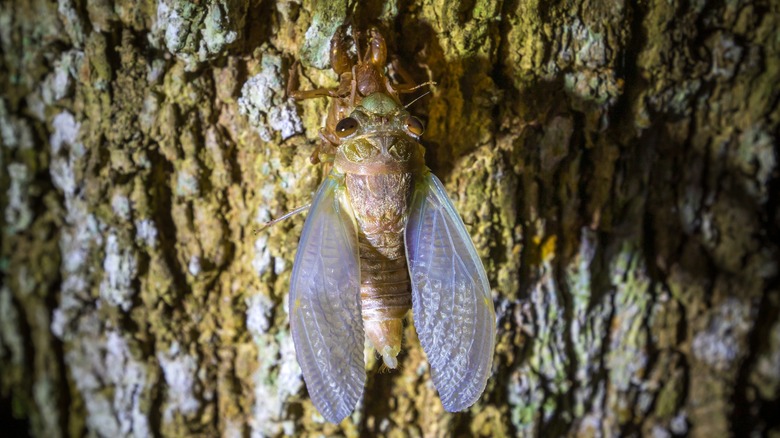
615	163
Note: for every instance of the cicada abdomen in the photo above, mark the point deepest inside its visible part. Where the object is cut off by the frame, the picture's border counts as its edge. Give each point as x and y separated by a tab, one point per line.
382	237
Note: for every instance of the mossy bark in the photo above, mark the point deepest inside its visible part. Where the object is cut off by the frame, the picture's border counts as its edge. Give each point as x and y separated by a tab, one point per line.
616	164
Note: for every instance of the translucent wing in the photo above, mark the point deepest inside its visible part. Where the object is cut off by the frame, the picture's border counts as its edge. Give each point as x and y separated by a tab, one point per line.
325	317
453	310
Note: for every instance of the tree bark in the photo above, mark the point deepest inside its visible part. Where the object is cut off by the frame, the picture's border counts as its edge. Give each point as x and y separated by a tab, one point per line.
615	163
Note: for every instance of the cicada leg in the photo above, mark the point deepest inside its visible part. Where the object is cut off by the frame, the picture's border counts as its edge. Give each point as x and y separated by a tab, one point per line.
295	93
325	151
368	74
404	88
340	61
409	84
376	52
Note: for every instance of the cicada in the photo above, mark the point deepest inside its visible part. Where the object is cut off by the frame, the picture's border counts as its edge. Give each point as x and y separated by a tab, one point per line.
382	237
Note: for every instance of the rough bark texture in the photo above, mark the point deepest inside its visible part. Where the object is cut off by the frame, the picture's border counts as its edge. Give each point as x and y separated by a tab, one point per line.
616	164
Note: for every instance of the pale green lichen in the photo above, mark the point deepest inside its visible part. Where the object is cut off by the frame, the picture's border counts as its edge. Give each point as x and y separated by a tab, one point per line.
536	385
14	132
526	395
132	392
326	18
196	32
278	376
179	369
72	21
679	424
120	204
726	55
194	266
119	271
600	88
265	105
721	342
18	213
148	115
627	357
592	79
59	83
217	159
262	258
217	31
188	178
66	150
106	360
44	393
755	156
81	232
591	46
16	135
146	233
588	325
11	341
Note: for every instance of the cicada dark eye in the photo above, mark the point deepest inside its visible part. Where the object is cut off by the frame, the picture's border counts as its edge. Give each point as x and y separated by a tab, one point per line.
346	127
414	126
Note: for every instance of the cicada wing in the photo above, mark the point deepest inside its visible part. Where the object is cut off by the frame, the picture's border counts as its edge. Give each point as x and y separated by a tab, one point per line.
453	309
325	318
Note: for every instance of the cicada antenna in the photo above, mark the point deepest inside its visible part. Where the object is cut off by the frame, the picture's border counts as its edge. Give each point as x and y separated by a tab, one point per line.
421	96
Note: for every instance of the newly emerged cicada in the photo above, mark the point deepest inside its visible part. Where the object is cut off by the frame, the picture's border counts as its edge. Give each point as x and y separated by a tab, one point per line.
383	237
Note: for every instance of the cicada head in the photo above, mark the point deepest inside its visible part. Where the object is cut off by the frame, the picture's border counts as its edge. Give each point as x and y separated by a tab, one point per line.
379	136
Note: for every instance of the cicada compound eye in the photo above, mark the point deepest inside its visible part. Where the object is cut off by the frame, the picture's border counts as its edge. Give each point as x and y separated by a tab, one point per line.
414	126
346	127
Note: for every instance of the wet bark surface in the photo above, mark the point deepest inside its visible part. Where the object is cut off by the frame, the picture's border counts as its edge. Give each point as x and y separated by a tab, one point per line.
615	164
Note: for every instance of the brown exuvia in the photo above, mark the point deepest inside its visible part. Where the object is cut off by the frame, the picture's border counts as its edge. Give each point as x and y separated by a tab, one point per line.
383	237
